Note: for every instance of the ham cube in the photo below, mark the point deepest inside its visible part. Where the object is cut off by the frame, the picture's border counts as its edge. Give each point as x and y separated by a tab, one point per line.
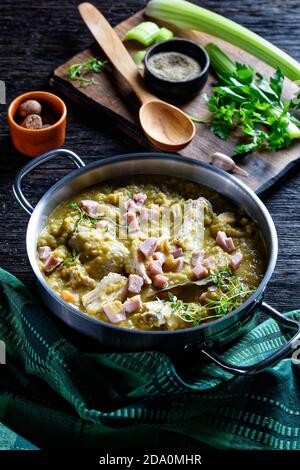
148	214
90	207
199	271
230	245
140	198
197	257
133	304
144	214
160	281
148	247
129	216
130	205
226	243
208	262
44	252
51	264
155	267
135	204
115	311
159	256
135	283
132	220
179	263
236	260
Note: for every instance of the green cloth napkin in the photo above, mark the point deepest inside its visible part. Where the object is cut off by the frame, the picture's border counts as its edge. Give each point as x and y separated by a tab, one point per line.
57	397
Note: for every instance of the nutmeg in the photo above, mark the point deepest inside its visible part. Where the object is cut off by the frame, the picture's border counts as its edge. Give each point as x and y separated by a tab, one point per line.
30	107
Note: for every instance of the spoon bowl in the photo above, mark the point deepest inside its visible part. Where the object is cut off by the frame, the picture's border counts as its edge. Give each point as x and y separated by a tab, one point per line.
165	125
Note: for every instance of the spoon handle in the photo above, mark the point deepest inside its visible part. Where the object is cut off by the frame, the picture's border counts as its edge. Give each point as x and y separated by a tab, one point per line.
114	49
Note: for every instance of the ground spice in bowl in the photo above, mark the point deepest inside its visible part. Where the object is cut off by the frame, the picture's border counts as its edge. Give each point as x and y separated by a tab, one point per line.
174	66
176	70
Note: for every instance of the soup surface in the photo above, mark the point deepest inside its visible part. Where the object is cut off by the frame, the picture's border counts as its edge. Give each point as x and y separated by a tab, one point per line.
151	253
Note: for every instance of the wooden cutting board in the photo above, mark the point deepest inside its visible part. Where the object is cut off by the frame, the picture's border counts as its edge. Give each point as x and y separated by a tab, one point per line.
112	99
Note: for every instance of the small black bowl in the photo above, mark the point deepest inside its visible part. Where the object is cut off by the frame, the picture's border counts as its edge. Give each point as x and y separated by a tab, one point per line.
182	90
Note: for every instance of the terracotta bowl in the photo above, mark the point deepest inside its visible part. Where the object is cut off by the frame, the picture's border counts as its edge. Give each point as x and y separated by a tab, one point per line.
33	142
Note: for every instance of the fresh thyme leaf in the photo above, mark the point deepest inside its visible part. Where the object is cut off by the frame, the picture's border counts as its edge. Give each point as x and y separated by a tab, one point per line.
186	311
221	277
82	216
231	292
73	205
71	259
172	297
93	221
76	72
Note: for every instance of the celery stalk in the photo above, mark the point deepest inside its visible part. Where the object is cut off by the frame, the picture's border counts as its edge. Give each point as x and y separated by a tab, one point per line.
163	35
139	57
187	15
293	130
219	61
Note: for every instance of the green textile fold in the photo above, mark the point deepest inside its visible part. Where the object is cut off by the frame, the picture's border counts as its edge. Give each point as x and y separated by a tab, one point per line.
57	397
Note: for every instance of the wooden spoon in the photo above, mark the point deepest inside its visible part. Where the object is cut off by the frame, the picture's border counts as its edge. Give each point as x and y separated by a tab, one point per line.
166	126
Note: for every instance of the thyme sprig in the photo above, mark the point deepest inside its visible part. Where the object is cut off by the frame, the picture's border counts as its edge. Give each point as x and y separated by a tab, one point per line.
229	294
83	215
190	313
76	72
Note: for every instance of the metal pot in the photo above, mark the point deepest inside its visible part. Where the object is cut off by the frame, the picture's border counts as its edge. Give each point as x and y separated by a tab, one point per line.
204	337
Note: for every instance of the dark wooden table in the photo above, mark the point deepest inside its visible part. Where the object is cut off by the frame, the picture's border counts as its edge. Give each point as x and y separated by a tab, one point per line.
38	35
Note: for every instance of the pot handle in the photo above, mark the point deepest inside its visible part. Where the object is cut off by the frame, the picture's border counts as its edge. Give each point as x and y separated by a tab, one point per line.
17	184
270	360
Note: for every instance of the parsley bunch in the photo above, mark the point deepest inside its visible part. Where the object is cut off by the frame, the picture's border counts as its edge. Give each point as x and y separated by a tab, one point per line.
246	101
